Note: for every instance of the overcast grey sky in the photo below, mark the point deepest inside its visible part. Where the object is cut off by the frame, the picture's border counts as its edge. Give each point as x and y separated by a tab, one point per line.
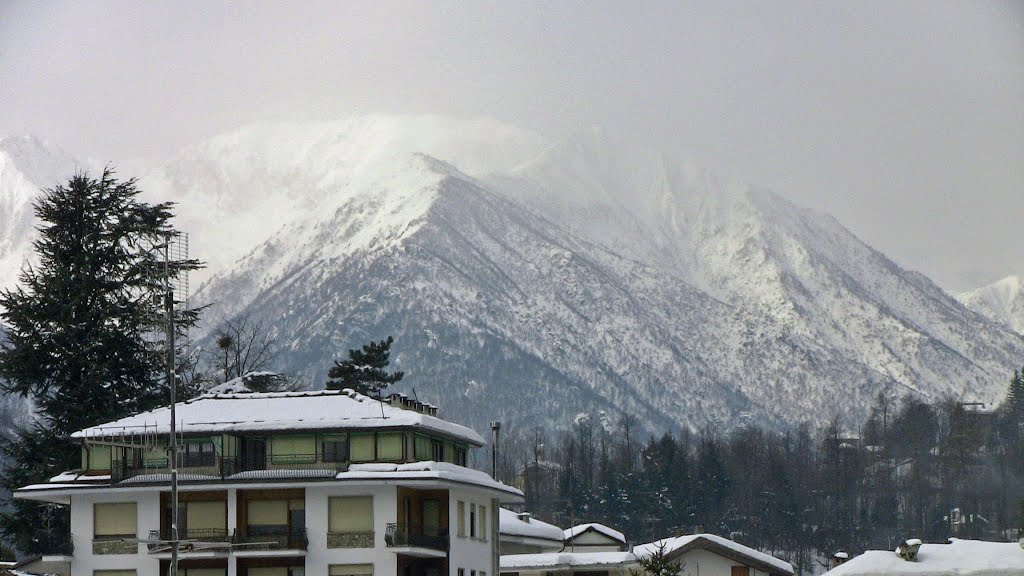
905	120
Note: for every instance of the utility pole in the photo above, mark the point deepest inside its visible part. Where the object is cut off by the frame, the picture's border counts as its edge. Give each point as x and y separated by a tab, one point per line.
172	381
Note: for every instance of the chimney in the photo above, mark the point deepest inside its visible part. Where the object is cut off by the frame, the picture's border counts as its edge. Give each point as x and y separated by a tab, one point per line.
495	430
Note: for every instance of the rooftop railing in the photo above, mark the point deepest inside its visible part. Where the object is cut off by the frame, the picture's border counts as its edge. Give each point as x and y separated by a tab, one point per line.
412	535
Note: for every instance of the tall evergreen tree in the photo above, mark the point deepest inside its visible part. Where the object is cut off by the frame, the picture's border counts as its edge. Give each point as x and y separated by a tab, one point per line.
80	328
363	371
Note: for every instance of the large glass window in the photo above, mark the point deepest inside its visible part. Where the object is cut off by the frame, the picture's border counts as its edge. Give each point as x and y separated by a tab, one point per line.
390	446
422	450
472	520
350	514
363	447
460	455
461	511
483	523
99	457
437	450
206	519
115	519
198	454
268	512
293	449
335	448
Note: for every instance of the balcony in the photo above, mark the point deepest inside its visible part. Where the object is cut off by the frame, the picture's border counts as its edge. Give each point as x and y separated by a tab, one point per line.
225	467
270	538
413	540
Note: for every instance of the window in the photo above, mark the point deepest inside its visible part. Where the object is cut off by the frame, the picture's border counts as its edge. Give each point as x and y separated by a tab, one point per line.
293	449
472	521
205	519
335	448
99	457
362	448
202	571
269	571
390	446
350	570
437	451
461	508
483	523
267	512
462	572
350	514
460	455
115	519
449	452
422	450
113	573
196	454
740	571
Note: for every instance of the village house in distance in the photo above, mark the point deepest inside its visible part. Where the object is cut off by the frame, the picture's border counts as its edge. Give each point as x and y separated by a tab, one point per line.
281	484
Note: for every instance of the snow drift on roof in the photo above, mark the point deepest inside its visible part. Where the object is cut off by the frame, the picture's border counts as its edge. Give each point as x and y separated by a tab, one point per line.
958	558
214	413
600	528
429	470
676	543
553	560
509	523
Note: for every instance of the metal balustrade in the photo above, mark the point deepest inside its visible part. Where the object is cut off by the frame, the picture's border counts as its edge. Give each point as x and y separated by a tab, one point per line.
406	535
224	467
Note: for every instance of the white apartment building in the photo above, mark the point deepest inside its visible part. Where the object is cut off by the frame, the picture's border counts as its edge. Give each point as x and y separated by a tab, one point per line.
281	484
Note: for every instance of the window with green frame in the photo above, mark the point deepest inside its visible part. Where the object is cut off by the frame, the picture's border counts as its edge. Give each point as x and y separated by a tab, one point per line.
390	446
460	454
362	447
334	447
293	449
99	457
422	450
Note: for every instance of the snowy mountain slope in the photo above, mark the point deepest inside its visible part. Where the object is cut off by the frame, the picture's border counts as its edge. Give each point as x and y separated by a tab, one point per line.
26	166
768	257
1001	301
255	180
500	312
529	281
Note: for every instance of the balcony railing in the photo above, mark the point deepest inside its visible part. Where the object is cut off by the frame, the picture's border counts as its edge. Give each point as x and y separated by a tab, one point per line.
115	545
267	537
198	534
223	467
402	535
350	539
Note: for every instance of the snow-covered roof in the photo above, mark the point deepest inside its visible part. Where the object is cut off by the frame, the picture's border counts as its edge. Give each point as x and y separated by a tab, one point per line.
413	471
612	533
720	545
511	524
958	558
275	411
564	560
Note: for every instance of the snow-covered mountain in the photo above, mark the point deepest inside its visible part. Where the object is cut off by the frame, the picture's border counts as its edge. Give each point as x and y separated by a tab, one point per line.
27	164
1001	301
529	280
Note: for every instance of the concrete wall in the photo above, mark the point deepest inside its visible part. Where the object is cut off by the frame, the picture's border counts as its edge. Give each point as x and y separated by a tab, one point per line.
466	552
85	562
385	510
706	563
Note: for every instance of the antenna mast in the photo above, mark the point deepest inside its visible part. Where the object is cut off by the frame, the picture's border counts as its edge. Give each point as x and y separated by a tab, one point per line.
175	248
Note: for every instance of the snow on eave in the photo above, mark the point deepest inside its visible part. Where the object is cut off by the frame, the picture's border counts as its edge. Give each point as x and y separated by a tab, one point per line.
428	470
552	561
280	411
510	524
612	533
719	545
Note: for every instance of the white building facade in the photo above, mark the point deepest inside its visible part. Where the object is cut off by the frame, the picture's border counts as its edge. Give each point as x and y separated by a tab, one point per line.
286	484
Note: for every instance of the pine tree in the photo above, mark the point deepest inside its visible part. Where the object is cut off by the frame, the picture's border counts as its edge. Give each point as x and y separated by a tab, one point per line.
364	370
77	332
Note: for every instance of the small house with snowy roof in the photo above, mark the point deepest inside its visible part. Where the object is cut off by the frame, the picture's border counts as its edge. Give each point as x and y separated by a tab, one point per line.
521	533
280	484
594	537
697	555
